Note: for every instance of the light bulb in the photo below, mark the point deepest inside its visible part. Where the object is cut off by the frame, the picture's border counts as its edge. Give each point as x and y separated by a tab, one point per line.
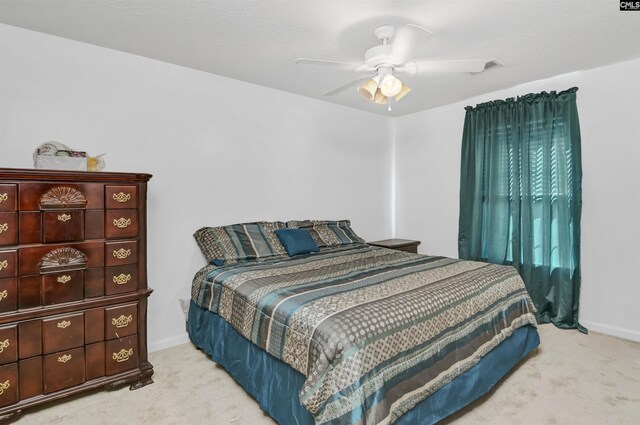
390	86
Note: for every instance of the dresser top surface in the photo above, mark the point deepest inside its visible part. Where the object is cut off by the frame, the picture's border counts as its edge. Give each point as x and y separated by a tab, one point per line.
58	175
396	243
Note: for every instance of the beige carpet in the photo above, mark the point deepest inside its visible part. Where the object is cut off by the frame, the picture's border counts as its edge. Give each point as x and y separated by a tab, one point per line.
571	379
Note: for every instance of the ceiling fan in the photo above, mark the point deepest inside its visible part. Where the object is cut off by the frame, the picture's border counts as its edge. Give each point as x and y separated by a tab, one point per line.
393	57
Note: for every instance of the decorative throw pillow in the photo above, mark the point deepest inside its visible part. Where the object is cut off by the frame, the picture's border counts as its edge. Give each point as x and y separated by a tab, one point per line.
296	241
328	233
237	242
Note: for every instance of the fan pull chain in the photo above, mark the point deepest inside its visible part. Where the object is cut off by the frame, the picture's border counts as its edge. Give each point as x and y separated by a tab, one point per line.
389	101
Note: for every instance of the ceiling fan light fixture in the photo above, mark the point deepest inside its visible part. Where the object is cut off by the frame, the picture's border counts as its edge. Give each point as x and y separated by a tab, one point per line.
368	89
390	86
403	92
380	98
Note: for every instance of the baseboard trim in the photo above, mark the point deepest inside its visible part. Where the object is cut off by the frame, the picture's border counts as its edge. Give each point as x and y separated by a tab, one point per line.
611	330
168	342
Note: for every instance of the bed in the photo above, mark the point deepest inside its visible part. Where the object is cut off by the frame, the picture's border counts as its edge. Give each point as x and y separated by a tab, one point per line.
355	334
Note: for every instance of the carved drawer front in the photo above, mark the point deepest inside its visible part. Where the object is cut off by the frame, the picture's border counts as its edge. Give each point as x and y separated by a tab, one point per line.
121	321
62	287
8	263
121	224
53	196
8	294
8	197
121	279
8	228
62	226
121	197
8	384
120	253
121	354
62	257
8	344
63	369
62	333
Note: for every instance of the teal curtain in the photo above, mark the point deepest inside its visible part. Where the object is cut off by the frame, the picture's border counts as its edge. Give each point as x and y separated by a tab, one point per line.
521	196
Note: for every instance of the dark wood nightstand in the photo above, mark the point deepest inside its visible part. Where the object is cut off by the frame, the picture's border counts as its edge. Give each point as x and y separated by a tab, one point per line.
398	244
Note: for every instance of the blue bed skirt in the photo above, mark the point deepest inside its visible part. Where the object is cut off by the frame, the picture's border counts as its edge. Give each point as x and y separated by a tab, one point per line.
275	385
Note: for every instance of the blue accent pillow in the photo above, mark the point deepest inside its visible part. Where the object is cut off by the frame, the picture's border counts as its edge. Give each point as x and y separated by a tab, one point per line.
296	241
216	262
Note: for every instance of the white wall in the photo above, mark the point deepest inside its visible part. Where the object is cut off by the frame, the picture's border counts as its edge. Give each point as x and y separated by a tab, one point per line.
225	151
221	151
427	146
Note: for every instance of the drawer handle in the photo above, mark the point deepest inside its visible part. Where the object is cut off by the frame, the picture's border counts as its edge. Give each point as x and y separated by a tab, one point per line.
64	359
3	294
4	227
64	217
64	324
3	197
4	386
121	197
122	253
64	278
122	223
123	355
121	279
4	344
4	264
122	321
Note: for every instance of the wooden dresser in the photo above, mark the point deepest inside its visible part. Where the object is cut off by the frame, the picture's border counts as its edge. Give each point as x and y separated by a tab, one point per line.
73	284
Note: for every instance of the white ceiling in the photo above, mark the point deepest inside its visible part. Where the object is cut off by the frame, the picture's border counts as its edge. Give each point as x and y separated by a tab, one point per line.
257	41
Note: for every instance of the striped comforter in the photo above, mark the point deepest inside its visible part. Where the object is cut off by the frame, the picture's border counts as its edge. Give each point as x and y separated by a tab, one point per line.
374	331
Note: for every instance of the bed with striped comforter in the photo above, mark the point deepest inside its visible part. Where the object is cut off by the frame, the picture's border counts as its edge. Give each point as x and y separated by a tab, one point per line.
374	331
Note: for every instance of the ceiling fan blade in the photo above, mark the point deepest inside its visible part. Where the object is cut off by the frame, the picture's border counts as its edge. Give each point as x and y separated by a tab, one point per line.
473	65
334	64
348	85
407	39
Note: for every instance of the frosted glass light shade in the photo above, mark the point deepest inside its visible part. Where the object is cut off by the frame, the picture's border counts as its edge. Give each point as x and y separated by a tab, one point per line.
380	98
403	92
368	89
390	86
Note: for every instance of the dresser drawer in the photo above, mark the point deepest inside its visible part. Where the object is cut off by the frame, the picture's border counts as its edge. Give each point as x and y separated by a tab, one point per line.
8	294
8	228
121	321
62	287
118	197
63	369
30	377
119	224
46	196
62	257
8	344
95	360
8	197
121	279
62	226
8	384
8	263
120	253
121	354
62	332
